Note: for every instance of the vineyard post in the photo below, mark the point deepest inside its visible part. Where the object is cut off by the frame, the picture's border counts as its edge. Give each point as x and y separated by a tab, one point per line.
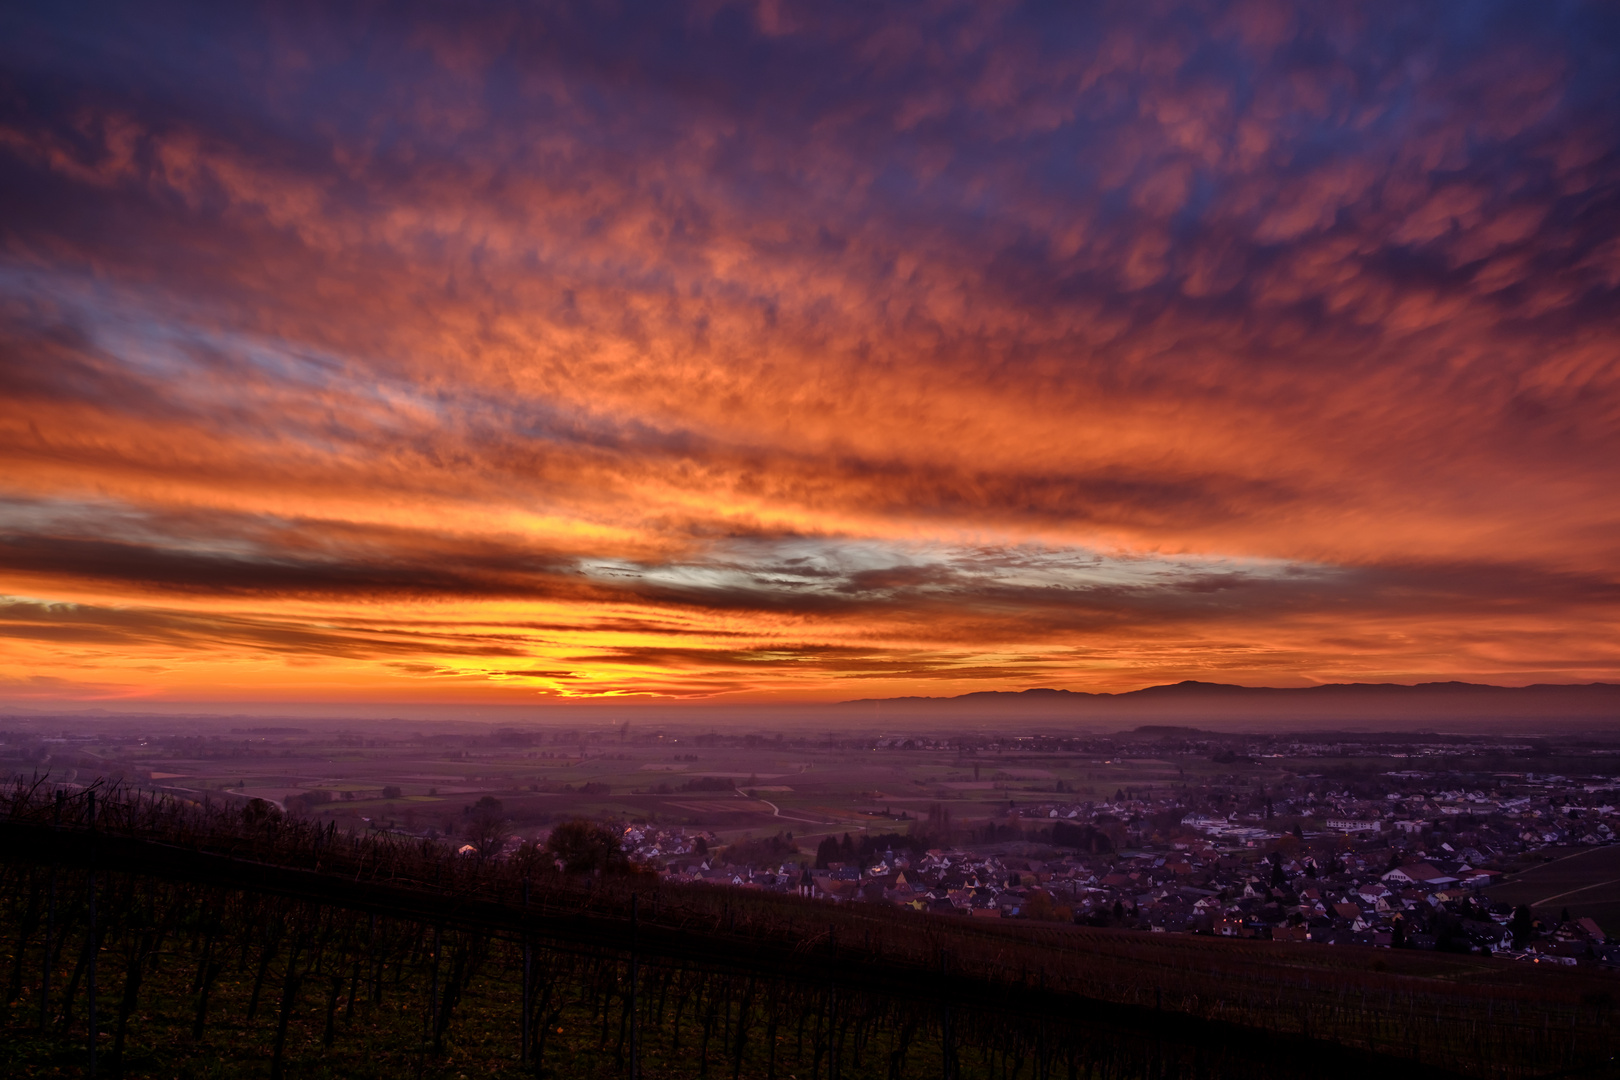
635	1067
945	1024
50	922
374	961
771	1022
833	1045
290	986
138	953
433	992
356	953
528	991
91	803
208	970
744	1009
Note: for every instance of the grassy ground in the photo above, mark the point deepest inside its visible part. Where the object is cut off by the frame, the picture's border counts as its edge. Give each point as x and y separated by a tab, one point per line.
389	1039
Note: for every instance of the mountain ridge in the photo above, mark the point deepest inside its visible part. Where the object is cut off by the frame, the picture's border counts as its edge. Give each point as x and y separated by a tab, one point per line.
1195	685
1335	702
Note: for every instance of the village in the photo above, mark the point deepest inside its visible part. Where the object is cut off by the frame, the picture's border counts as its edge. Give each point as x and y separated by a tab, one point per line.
1501	845
1405	865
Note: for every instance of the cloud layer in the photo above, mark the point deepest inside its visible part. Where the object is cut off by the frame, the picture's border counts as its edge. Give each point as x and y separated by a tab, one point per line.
805	351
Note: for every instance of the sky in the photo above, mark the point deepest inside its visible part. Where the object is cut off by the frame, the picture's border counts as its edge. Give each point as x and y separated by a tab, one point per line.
778	352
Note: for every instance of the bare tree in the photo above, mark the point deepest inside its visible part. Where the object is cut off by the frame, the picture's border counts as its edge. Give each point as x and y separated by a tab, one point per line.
487	829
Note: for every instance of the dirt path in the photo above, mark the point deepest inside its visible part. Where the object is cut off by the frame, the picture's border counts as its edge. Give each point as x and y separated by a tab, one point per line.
777	810
1573	892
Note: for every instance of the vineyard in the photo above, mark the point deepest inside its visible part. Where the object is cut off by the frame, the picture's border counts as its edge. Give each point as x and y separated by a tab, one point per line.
146	935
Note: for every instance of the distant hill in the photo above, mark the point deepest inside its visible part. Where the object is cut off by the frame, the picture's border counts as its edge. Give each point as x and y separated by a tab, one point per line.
1341	702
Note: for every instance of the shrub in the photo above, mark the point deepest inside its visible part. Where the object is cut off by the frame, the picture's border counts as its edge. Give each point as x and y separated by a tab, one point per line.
1081	837
584	847
305	802
763	850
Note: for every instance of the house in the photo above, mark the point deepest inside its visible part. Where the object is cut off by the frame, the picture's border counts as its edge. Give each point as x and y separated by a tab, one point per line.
1372	893
838	890
1414	873
1352	825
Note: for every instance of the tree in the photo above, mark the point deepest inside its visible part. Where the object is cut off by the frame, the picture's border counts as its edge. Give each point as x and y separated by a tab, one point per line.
764	851
1081	837
1521	924
586	847
391	792
305	802
487	829
1043	908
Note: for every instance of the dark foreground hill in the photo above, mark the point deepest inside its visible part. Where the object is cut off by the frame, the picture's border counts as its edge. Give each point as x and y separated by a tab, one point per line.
1590	704
223	943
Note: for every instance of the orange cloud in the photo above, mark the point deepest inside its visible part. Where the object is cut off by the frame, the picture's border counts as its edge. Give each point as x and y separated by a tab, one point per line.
507	356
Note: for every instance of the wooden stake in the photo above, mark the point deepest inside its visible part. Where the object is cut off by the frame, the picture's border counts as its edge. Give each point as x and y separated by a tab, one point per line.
92	972
635	1065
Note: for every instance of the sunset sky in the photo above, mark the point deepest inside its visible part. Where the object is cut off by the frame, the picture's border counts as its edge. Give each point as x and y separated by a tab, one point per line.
487	353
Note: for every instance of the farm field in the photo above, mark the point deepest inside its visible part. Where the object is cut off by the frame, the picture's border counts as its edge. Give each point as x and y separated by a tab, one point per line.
1586	882
812	786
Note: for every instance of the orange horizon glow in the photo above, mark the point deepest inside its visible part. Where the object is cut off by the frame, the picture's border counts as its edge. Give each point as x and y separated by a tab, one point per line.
466	359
